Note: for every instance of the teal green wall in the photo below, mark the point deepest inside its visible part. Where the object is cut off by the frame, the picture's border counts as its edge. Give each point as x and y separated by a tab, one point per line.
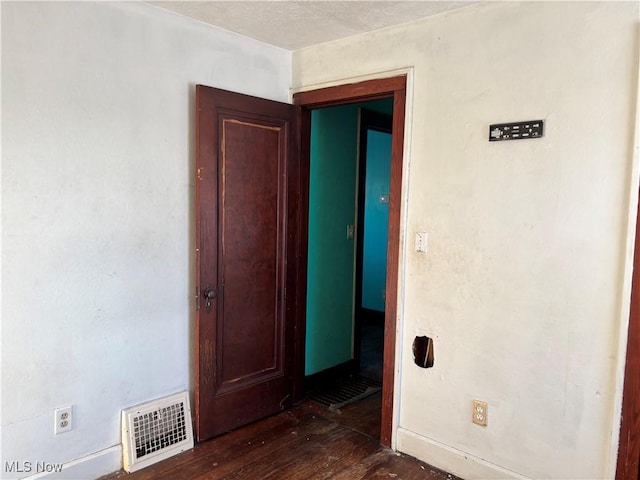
332	201
331	257
376	220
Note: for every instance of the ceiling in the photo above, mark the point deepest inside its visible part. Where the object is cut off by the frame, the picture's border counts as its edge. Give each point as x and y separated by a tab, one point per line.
297	24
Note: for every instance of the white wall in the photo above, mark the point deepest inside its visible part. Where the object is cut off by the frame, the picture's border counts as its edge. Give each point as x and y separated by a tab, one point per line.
522	287
98	211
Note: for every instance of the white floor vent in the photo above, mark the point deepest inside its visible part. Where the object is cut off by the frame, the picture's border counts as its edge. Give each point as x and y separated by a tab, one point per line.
156	430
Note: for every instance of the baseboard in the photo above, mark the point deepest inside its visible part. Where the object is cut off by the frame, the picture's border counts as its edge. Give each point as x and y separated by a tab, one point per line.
450	459
90	467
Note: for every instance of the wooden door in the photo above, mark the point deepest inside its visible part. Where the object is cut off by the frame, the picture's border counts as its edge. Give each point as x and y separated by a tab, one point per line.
247	189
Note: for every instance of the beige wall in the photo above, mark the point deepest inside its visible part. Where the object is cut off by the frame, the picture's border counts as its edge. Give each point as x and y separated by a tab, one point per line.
525	284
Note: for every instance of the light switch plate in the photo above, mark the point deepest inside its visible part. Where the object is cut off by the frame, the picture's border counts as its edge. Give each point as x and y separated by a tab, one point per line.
350	232
421	242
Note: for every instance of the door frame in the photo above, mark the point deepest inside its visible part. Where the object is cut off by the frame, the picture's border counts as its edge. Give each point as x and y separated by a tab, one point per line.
394	87
629	444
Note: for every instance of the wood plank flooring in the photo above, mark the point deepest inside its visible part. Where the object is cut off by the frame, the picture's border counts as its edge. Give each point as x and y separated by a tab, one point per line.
305	443
362	416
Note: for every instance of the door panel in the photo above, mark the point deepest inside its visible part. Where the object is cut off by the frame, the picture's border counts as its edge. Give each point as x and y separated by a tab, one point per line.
250	314
247	187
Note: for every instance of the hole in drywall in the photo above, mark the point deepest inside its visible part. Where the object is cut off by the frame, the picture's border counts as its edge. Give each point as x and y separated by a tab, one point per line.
423	352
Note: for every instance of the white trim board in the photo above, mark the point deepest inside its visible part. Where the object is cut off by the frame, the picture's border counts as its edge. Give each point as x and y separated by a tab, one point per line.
450	459
91	466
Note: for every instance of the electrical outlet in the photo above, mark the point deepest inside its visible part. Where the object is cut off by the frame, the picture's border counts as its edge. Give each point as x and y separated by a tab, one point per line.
63	419
480	413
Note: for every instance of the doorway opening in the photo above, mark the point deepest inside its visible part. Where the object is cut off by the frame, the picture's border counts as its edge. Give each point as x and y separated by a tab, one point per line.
334	310
350	165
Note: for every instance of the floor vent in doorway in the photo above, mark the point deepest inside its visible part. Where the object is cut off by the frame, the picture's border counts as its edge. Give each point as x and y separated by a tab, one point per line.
156	430
345	390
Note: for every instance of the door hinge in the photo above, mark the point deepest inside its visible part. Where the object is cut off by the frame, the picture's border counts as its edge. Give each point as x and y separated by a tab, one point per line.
197	298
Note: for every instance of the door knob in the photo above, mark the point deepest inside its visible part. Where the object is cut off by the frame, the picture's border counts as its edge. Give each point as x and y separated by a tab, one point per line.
209	294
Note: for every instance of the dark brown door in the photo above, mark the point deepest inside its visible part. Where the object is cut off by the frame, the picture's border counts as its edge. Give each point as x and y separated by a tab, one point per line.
247	188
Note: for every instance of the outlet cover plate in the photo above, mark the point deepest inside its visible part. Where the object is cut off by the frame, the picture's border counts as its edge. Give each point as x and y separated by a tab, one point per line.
479	413
63	420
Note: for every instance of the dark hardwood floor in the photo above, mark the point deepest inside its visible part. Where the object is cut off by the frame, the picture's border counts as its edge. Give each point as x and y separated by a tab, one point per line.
308	442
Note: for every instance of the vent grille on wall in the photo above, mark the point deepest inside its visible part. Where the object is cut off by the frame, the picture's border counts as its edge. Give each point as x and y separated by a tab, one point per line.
156	430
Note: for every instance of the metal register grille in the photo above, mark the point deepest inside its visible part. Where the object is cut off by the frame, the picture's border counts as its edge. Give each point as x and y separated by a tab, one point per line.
345	390
156	430
159	429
